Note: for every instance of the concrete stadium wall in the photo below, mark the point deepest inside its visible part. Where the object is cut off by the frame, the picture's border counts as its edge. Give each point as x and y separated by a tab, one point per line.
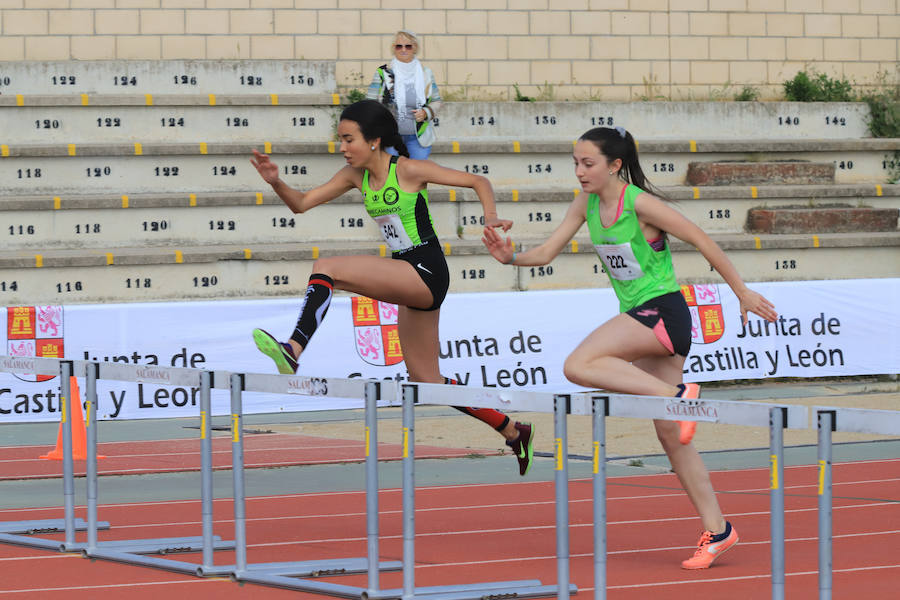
614	50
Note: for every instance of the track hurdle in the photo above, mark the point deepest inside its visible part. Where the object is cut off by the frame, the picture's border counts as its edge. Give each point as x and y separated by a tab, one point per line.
136	551
774	416
463	396
829	419
21	533
291	575
127	551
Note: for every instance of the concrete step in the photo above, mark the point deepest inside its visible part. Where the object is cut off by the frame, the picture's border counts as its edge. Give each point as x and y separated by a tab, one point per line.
133	168
150	274
133	77
160	123
163	220
174	168
717	209
92	221
654	120
62	105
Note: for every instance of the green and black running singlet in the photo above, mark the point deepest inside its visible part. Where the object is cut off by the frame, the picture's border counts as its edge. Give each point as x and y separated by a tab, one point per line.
403	217
636	270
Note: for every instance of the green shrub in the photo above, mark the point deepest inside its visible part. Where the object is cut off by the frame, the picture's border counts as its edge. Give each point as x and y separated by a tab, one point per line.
355	95
884	109
818	88
520	97
747	94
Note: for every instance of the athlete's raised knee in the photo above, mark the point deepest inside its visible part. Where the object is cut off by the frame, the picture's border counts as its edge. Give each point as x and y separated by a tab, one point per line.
574	370
326	266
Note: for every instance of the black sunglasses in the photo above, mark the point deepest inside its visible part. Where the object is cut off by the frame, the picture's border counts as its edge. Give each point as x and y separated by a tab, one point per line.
402	46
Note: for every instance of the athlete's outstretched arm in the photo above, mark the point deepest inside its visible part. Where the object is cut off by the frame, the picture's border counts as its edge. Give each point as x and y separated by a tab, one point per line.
502	249
297	201
424	172
655	212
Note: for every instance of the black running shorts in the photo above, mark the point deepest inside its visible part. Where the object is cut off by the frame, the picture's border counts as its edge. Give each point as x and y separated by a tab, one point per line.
429	262
669	318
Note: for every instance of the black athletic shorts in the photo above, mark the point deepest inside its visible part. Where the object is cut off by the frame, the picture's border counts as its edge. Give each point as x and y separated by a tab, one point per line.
669	318
429	262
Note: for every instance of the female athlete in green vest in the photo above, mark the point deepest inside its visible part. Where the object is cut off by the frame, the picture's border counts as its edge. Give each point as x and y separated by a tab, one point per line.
395	194
642	350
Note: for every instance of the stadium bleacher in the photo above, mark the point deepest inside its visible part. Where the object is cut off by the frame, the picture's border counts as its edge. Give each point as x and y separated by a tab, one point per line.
130	181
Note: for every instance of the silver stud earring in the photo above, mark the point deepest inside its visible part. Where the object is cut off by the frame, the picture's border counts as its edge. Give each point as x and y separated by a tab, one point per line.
612	172
373	147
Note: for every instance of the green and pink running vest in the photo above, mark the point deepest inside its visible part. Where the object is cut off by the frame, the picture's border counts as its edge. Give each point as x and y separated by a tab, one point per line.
637	272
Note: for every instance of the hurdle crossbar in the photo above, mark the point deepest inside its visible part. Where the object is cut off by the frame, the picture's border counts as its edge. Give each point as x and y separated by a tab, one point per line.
829	419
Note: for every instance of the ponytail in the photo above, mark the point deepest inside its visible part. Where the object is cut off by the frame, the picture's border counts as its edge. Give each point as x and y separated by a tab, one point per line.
400	146
617	143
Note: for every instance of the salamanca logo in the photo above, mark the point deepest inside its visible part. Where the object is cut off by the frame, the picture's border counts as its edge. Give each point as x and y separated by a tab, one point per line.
695	409
308	386
152	375
17	363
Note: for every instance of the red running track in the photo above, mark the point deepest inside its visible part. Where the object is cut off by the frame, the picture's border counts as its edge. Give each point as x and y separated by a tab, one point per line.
471	533
166	456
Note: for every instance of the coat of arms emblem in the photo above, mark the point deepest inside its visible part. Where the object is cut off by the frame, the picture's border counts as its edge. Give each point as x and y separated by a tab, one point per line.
35	331
707	317
375	331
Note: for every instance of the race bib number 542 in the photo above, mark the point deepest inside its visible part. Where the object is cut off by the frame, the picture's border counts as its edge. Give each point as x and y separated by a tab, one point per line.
392	231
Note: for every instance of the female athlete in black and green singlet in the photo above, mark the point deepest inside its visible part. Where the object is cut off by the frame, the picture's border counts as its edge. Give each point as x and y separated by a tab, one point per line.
415	278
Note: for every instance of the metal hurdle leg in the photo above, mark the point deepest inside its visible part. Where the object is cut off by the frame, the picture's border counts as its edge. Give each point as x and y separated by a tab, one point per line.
133	551
237	473
206	482
91	453
599	411
777	423
560	415
373	393
65	372
826	422
410	397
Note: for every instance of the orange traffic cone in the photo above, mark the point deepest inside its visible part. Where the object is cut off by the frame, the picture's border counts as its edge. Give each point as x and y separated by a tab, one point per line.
79	431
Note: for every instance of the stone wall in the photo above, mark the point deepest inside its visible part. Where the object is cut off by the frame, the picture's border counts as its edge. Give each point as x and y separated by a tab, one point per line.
554	49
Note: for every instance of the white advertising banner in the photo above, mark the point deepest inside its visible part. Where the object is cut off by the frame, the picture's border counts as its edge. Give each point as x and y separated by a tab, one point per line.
504	340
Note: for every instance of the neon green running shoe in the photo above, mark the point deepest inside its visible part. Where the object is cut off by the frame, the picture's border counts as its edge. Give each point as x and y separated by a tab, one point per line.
280	352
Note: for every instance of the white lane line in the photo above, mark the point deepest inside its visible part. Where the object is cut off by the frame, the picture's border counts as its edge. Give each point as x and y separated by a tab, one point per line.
115	585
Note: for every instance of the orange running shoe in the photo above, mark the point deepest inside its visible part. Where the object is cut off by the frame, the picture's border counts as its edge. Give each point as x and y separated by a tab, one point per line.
709	548
688	391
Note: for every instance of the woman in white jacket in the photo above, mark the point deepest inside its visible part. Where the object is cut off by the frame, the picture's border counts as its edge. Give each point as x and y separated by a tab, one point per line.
408	89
